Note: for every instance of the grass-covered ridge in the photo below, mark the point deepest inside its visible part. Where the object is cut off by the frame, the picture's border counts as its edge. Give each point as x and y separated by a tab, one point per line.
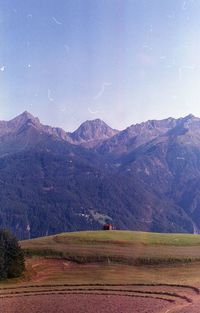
128	237
133	237
126	247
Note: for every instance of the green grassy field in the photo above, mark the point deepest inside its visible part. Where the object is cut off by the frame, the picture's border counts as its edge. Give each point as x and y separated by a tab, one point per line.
124	247
126	237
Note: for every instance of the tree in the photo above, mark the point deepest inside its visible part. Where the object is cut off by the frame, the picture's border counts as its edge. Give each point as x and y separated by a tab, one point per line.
11	256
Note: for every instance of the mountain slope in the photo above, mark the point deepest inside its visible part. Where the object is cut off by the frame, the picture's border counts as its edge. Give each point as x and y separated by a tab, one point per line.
57	187
170	166
146	177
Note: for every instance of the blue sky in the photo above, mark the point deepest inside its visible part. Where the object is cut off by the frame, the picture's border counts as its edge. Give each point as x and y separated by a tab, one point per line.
124	61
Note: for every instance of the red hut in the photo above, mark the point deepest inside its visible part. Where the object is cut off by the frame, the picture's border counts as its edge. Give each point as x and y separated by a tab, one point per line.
107	227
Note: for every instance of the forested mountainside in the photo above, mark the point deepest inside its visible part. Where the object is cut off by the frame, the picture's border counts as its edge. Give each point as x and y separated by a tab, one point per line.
146	177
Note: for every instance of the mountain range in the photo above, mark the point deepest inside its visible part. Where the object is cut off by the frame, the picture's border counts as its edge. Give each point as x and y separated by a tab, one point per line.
146	177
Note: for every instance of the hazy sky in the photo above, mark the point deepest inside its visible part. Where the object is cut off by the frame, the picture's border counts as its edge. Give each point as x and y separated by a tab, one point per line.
124	61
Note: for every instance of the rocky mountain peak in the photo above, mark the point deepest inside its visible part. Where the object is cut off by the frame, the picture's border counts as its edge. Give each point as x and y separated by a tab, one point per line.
13	126
23	118
93	130
190	117
183	125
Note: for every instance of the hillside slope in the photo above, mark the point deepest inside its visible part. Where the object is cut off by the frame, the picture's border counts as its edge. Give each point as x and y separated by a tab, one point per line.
143	178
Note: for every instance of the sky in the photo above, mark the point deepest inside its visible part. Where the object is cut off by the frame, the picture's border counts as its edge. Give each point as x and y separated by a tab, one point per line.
123	61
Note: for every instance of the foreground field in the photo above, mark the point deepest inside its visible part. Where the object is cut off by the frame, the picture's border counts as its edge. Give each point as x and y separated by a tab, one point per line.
81	303
107	272
53	285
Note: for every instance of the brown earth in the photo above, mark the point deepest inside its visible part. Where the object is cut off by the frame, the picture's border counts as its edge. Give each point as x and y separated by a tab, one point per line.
192	308
40	292
80	304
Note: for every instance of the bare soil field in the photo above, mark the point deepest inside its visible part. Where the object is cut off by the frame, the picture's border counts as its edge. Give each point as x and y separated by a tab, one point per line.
194	308
72	303
41	292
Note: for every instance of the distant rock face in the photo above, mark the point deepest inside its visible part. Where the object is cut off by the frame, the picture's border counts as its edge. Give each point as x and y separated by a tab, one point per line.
145	177
92	132
134	136
89	133
15	124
